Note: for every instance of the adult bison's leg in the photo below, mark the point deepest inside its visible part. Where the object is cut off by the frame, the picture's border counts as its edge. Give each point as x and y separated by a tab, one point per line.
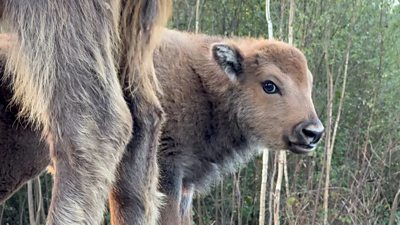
134	198
63	76
22	154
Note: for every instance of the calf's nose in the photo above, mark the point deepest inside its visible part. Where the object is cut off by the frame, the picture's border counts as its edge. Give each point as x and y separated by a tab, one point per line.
311	131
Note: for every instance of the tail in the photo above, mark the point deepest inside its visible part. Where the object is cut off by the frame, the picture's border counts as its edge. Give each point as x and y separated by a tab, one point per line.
141	26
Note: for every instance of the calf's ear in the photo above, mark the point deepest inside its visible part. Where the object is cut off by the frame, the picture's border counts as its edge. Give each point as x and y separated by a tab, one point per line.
229	58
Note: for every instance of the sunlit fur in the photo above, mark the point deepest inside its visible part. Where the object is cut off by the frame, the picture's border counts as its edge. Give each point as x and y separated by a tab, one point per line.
63	69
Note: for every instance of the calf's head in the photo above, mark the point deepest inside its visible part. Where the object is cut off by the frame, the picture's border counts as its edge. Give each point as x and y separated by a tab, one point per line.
270	91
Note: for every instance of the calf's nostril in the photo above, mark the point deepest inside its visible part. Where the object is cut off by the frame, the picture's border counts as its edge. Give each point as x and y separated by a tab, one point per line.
315	136
309	133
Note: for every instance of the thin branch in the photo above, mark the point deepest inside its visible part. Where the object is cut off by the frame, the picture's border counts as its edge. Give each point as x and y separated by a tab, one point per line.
197	16
393	210
268	18
272	183
1	213
264	178
292	8
39	199
278	187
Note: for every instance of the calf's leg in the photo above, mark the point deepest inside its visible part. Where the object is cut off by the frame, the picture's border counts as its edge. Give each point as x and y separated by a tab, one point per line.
134	198
171	186
186	204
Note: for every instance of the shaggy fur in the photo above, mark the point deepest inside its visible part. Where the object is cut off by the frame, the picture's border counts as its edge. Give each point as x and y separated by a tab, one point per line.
62	70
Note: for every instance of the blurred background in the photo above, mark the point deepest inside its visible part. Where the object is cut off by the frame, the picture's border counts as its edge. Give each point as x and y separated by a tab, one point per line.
353	177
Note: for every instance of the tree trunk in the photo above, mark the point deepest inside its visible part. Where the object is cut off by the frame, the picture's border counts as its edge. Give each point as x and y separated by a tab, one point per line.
233	200
292	8
39	199
263	192
278	187
282	155
31	207
21	208
285	175
268	18
328	149
281	19
1	213
199	211
238	199
264	176
197	16
216	206
272	184
222	205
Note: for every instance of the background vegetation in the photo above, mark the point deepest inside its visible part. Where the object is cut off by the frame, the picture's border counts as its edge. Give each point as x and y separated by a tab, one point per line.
358	96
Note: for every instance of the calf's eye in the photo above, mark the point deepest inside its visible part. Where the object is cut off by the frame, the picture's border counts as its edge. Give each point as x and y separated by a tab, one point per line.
270	88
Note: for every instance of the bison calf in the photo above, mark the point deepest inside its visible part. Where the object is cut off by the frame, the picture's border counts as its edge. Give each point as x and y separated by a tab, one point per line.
225	99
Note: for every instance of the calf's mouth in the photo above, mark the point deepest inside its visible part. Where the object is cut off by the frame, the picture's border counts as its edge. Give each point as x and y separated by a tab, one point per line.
300	148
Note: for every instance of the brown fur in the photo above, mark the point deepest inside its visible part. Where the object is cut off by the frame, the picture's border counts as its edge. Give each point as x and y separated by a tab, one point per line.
219	116
19	145
63	75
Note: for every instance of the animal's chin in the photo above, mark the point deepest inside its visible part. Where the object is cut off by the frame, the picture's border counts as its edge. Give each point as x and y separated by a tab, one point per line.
300	148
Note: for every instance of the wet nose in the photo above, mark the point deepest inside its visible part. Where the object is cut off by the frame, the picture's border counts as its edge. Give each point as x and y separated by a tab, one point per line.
311	131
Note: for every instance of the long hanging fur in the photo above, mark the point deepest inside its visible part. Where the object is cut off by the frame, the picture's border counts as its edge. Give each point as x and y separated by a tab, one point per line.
63	71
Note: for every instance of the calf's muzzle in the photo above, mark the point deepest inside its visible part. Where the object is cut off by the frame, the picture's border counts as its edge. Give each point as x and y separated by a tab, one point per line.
306	136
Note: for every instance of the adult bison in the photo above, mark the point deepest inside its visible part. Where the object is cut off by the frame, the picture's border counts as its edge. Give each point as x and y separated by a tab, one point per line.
65	70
